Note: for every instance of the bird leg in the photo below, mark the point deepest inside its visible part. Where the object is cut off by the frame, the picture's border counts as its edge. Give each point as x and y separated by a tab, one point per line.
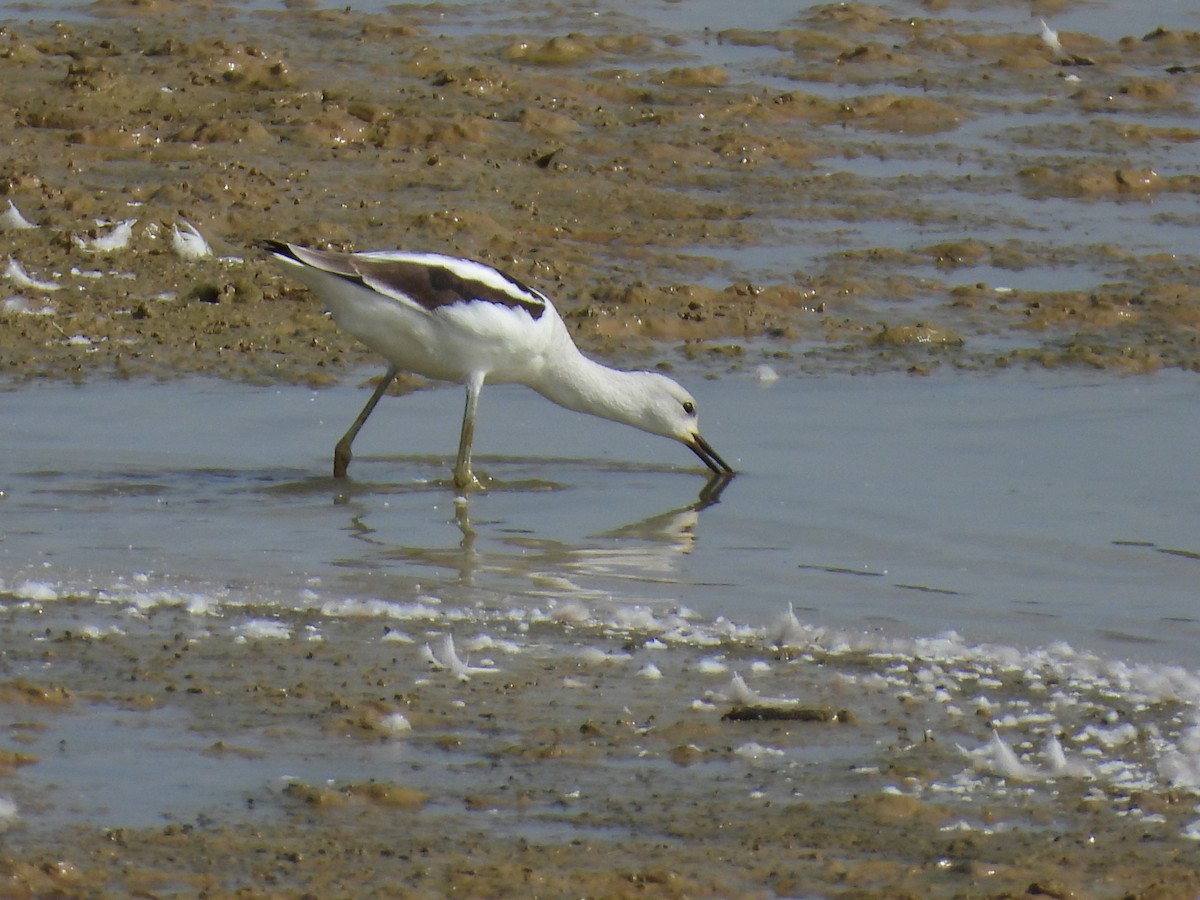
341	453
463	477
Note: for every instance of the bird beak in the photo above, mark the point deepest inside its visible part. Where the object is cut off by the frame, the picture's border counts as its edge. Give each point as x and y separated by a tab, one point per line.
708	455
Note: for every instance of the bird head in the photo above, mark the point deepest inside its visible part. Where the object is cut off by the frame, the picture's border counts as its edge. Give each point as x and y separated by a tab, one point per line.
669	410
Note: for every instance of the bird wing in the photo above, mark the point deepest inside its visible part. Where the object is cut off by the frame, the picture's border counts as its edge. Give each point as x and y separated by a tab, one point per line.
433	281
425	280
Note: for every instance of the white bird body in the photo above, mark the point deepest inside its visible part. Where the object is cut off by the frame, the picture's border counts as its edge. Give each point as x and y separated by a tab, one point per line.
461	321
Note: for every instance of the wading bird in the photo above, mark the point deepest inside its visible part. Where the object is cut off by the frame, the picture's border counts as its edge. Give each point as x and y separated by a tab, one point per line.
456	320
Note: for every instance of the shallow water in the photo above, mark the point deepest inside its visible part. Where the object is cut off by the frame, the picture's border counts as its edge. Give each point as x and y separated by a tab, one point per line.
1013	509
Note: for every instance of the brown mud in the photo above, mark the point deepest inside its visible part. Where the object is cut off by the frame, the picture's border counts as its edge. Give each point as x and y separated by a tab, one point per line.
607	169
565	772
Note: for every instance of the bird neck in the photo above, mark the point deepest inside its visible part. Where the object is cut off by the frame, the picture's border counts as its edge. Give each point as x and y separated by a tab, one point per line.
587	386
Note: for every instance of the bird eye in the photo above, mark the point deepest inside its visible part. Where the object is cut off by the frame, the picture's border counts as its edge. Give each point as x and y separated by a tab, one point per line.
689	407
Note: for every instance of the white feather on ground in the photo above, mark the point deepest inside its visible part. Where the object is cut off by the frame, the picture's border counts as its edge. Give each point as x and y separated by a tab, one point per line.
450	660
118	238
996	757
1059	765
12	220
741	694
189	243
789	632
17	275
1050	38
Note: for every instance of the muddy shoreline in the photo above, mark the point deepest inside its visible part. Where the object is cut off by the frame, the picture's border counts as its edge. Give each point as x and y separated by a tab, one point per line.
632	185
561	768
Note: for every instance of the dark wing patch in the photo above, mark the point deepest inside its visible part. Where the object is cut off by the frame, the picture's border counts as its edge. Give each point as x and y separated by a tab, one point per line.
325	260
427	283
433	286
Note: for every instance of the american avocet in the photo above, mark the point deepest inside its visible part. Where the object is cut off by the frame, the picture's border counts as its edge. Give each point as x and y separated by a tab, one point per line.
461	321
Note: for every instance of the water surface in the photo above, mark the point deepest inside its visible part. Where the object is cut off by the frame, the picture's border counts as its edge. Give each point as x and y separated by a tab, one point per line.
1013	509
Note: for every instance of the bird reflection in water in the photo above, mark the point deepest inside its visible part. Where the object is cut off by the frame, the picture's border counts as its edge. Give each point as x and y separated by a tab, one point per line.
646	550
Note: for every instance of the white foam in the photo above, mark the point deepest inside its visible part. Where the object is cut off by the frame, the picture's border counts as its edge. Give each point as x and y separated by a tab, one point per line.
1108	738
754	751
18	305
96	632
450	659
38	591
1179	765
483	642
395	724
636	618
196	603
350	608
765	375
570	612
1055	708
259	629
597	656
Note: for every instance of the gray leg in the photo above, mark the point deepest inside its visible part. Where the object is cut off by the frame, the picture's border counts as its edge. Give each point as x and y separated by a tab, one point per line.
341	453
463	477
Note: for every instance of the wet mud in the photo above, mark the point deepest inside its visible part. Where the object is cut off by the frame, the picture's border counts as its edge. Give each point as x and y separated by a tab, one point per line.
614	168
566	760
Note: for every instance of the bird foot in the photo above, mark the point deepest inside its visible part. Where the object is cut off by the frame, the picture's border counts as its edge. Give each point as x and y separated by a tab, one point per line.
341	461
466	481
